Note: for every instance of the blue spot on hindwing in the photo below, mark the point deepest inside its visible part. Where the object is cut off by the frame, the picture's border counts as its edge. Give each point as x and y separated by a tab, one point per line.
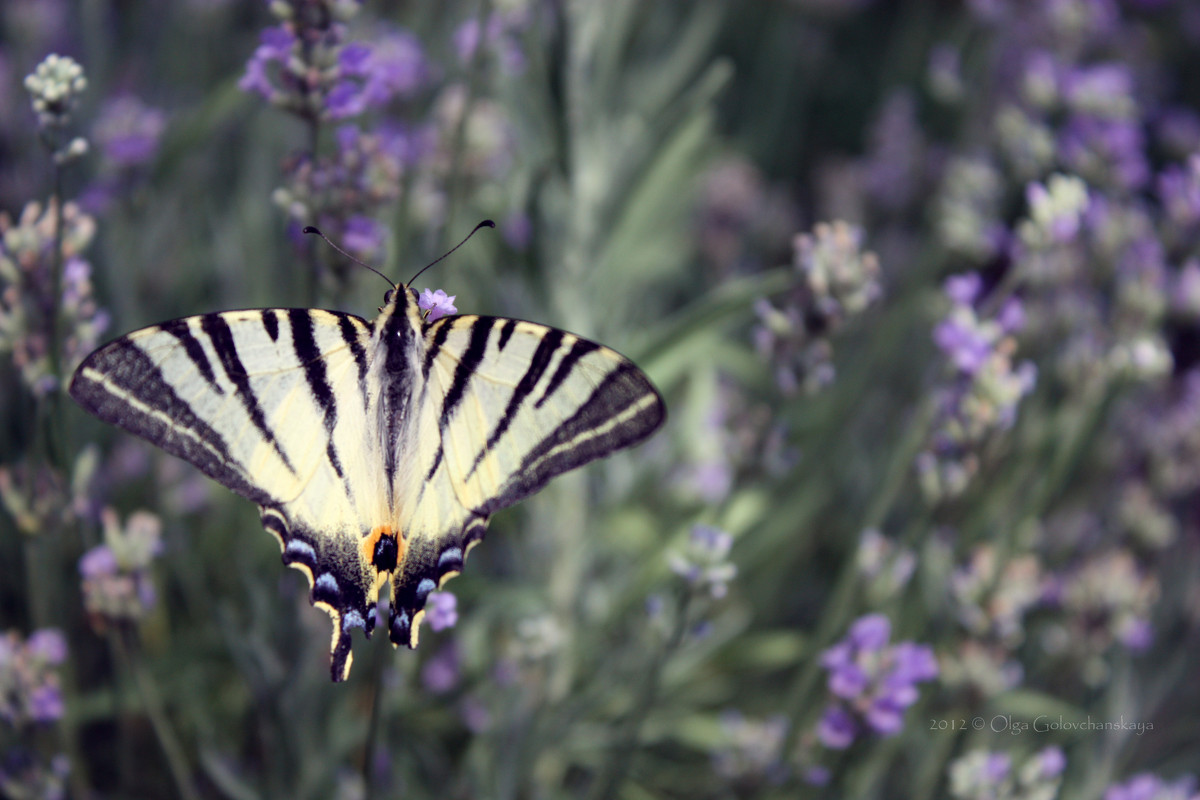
424	588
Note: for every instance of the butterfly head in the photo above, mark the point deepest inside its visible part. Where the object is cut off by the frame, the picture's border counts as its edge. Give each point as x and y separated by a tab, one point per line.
396	295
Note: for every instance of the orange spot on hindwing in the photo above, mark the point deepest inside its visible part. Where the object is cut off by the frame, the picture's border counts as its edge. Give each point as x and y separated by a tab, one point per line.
383	549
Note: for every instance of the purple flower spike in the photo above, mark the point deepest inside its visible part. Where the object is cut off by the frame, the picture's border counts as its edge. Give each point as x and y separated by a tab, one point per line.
437	303
872	683
837	728
441	611
964	290
870	632
48	645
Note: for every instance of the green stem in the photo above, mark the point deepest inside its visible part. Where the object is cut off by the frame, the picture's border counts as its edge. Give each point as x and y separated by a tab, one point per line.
311	285
151	699
373	723
614	771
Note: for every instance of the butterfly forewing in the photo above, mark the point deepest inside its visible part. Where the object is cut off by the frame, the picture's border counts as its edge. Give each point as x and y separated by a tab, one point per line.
272	404
522	403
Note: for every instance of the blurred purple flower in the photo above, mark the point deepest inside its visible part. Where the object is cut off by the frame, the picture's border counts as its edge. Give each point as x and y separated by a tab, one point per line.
437	303
47	645
1146	786
1051	762
517	230
441	610
1107	152
1179	193
99	562
31	693
442	672
704	562
128	131
46	703
750	752
964	290
396	68
117	585
364	237
965	345
873	684
501	36
837	728
275	47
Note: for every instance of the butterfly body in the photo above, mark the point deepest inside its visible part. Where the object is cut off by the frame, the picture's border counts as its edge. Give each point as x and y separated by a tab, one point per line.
376	452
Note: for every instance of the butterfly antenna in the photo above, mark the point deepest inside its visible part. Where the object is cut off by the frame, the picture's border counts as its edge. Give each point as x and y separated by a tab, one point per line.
487	223
311	229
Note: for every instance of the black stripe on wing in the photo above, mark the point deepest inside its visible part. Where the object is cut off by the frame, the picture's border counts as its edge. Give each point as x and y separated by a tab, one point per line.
182	331
350	335
546	348
121	385
220	336
621	411
468	363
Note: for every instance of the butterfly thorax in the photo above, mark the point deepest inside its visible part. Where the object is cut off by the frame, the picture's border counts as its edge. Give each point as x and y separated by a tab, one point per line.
395	359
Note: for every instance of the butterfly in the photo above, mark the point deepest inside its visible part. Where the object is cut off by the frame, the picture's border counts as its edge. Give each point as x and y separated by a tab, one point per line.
377	451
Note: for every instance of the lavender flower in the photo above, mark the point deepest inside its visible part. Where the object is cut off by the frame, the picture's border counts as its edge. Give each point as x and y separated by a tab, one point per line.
29	685
1146	786
55	87
305	65
441	610
837	281
872	683
1055	211
886	567
342	192
396	68
749	755
1104	601
992	598
704	564
982	394
967	217
1179	195
117	586
442	672
501	37
128	131
437	304
987	775
26	262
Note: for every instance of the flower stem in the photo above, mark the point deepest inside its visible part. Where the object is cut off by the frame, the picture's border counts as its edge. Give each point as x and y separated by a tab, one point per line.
373	724
151	700
617	767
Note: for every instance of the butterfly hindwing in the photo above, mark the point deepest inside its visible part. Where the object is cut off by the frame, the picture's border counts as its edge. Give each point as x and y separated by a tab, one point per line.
272	404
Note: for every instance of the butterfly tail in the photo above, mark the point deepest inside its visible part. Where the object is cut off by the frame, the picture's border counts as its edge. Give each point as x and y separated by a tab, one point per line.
337	582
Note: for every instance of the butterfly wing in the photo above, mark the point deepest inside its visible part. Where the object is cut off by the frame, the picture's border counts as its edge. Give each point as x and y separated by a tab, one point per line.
510	404
271	403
